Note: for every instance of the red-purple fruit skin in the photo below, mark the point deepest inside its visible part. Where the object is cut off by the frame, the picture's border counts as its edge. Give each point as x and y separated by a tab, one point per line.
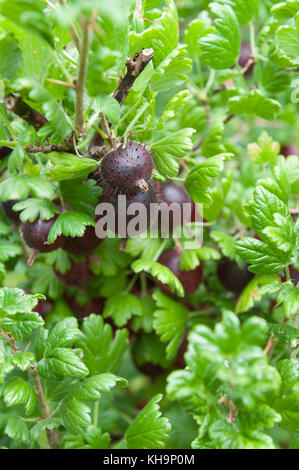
8	209
94	305
180	362
294	275
190	280
142	197
35	235
78	275
169	192
290	149
245	54
43	307
150	369
231	276
82	245
4	151
124	168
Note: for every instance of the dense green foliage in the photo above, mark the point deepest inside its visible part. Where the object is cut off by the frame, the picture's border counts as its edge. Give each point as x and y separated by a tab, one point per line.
225	128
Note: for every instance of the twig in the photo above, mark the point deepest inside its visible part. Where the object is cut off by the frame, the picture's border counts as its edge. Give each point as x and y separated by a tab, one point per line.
249	63
20	108
59	82
37	386
134	68
269	346
7	123
73	31
54	7
10	339
44	405
79	122
228	118
66	146
294	321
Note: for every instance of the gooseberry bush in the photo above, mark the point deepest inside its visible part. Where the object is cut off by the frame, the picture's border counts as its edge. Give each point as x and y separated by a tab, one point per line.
140	342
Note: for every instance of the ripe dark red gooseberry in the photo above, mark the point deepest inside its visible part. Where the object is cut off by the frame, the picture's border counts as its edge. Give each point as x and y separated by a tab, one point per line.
9	212
180	359
190	280
289	149
127	169
35	235
82	245
231	276
168	193
4	151
93	305
143	352
78	275
244	57
43	307
119	220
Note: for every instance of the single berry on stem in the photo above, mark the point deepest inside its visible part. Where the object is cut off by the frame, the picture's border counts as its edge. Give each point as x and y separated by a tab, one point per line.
35	235
121	204
78	275
289	149
82	245
9	212
231	276
4	151
168	193
245	55
127	169
190	280
93	305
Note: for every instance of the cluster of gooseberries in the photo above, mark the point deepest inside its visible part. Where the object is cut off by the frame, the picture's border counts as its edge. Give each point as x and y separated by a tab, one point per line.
127	171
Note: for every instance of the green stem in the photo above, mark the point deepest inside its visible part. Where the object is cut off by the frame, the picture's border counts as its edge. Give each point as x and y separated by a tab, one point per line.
288	275
132	123
131	284
7	123
162	246
79	122
252	39
143	284
210	81
8	143
37	386
136	105
96	413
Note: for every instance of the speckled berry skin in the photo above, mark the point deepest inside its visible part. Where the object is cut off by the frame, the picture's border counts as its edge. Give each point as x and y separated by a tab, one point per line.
232	277
190	280
78	275
127	169
35	235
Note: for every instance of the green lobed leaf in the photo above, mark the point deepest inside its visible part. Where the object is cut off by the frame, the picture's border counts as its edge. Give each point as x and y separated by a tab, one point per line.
200	177
121	307
162	273
71	224
149	430
170	321
254	103
17	392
